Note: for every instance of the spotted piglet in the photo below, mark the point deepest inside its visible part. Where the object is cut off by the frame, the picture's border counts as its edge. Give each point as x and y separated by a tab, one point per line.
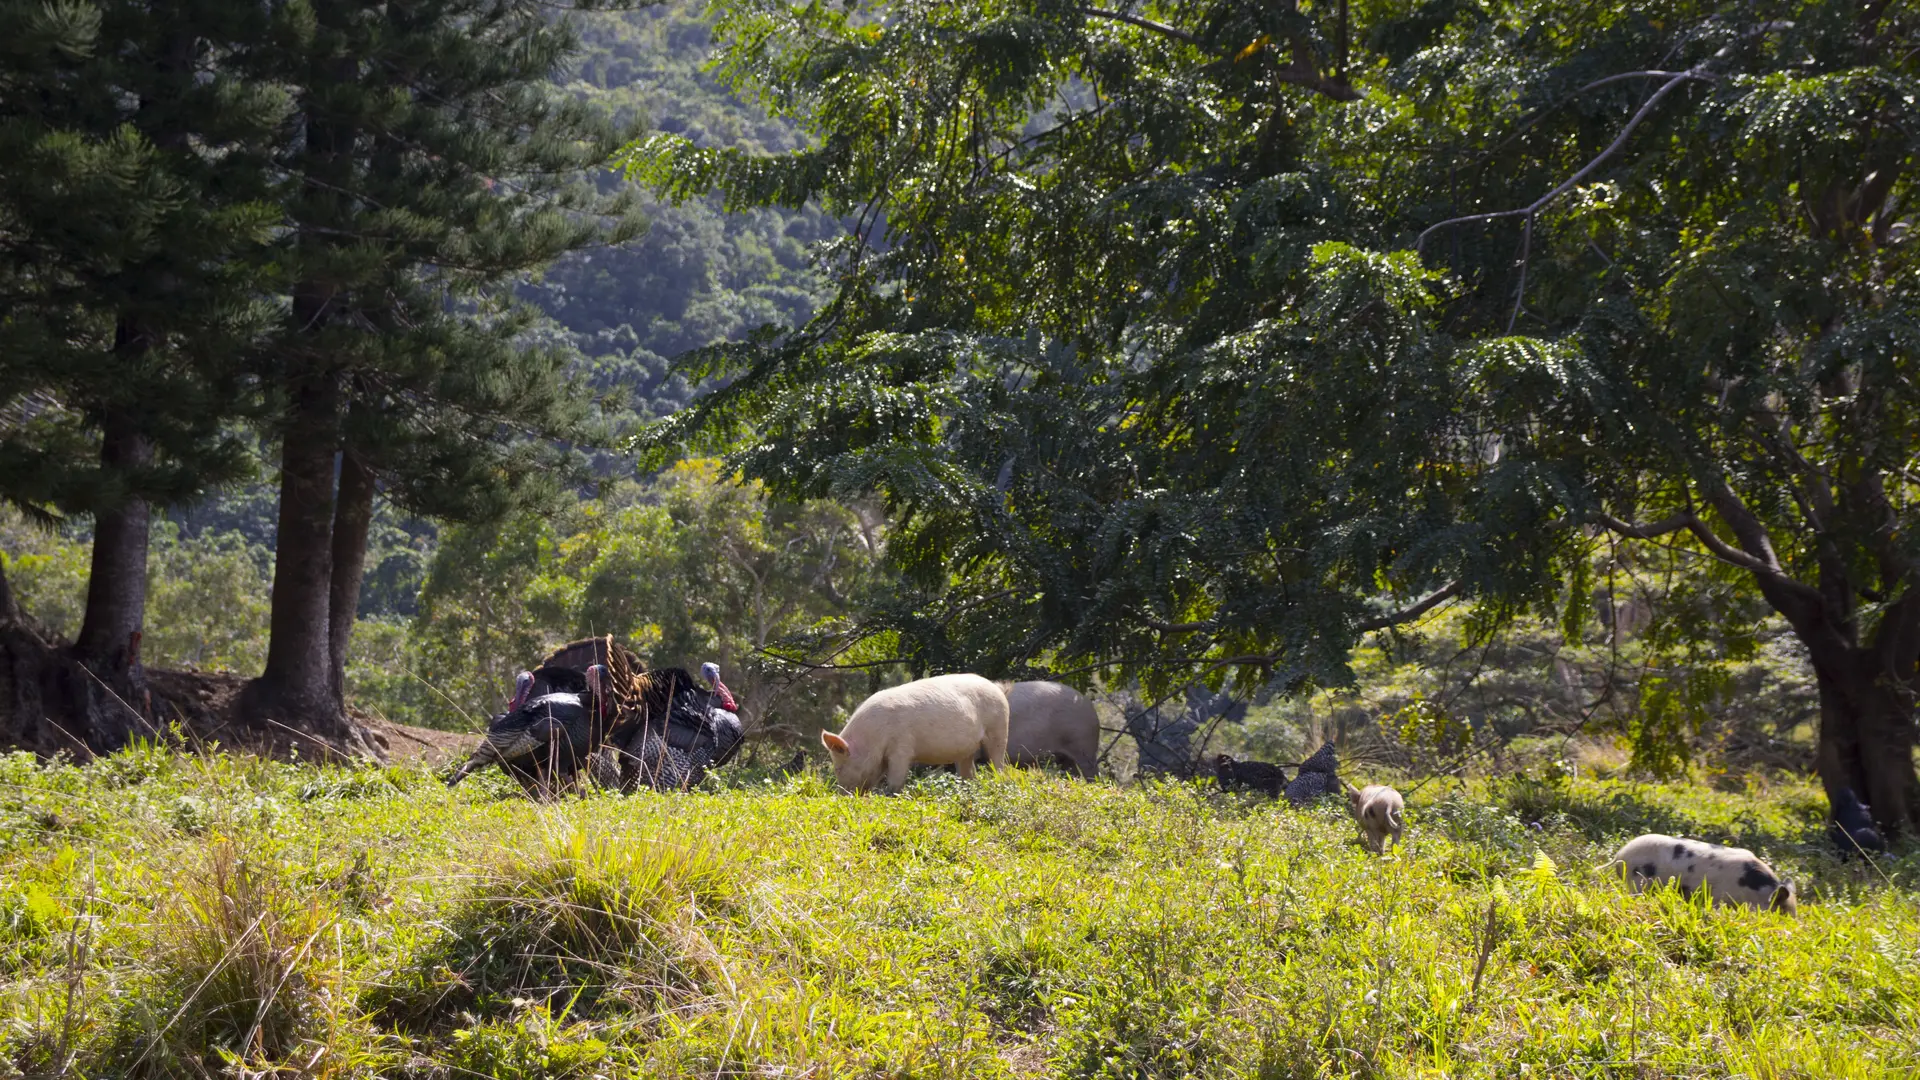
1378	809
1730	875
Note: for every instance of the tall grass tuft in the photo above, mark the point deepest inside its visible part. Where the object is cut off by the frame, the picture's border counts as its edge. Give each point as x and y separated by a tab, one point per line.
585	920
594	895
242	970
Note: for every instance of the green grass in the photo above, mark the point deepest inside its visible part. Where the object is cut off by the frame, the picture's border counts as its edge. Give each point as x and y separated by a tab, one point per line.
199	916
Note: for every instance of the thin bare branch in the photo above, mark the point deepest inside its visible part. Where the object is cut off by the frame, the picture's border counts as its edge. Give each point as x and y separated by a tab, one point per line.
1408	614
1620	140
1698	72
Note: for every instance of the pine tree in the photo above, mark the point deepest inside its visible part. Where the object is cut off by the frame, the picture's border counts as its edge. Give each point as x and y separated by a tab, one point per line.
133	201
435	162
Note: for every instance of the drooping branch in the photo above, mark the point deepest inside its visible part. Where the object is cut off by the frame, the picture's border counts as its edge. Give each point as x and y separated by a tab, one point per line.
1698	72
1408	614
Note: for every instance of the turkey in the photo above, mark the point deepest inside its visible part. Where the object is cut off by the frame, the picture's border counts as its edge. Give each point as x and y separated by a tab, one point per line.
1317	778
624	727
1256	776
544	739
673	732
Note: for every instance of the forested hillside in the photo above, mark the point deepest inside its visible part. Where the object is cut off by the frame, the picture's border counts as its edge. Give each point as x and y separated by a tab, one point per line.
698	275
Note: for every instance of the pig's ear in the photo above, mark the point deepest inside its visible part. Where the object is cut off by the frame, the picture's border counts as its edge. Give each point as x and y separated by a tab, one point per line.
834	743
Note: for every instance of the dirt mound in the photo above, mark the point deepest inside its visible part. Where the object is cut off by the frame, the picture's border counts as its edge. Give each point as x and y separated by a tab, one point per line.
409	745
51	703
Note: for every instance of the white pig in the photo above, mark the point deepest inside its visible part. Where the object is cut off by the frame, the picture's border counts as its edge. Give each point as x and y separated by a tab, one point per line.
1045	719
939	721
1378	809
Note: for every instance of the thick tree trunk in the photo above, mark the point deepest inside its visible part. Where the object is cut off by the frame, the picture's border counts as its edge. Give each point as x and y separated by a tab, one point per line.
352	515
117	586
1866	740
297	686
110	686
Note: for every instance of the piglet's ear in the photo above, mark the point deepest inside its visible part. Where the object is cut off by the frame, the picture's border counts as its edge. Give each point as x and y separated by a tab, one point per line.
834	743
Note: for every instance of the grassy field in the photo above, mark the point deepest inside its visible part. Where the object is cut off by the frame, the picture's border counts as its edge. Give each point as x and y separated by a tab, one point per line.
199	916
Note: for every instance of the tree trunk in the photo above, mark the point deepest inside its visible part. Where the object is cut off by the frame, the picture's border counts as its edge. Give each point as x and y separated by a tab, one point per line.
1866	739
111	690
297	686
352	515
117	586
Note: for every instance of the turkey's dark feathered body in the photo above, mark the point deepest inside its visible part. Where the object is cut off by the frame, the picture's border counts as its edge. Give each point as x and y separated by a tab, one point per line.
671	734
1317	778
542	744
1258	776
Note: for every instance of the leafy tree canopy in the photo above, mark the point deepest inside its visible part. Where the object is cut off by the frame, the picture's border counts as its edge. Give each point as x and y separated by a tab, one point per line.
1197	340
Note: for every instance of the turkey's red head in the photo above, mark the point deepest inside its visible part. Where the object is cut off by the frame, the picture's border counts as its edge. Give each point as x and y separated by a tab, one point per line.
712	672
522	683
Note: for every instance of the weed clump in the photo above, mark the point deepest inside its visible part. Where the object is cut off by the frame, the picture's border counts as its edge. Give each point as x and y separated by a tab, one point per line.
241	968
586	921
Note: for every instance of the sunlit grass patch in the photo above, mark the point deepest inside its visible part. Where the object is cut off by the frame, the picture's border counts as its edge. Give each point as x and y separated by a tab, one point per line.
580	922
1019	925
240	968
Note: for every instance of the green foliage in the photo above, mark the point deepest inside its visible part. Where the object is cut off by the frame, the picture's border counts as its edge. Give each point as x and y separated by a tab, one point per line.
135	215
47	571
689	568
1189	344
206	602
1014	926
698	276
1679	668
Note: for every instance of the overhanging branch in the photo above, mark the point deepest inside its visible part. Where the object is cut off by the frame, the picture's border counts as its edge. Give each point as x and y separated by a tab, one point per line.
1142	22
1691	522
1541	203
1674	81
1408	614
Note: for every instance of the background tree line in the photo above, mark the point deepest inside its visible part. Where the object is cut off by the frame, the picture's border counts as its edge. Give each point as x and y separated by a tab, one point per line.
508	322
299	223
1123	344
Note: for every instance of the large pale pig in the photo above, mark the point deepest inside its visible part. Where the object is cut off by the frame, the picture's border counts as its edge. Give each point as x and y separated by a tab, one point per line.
944	720
1047	719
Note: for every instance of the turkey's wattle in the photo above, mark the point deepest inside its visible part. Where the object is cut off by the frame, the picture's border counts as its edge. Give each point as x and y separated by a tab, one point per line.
711	672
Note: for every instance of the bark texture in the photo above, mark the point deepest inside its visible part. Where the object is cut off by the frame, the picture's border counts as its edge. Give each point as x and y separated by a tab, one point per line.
352	516
297	686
